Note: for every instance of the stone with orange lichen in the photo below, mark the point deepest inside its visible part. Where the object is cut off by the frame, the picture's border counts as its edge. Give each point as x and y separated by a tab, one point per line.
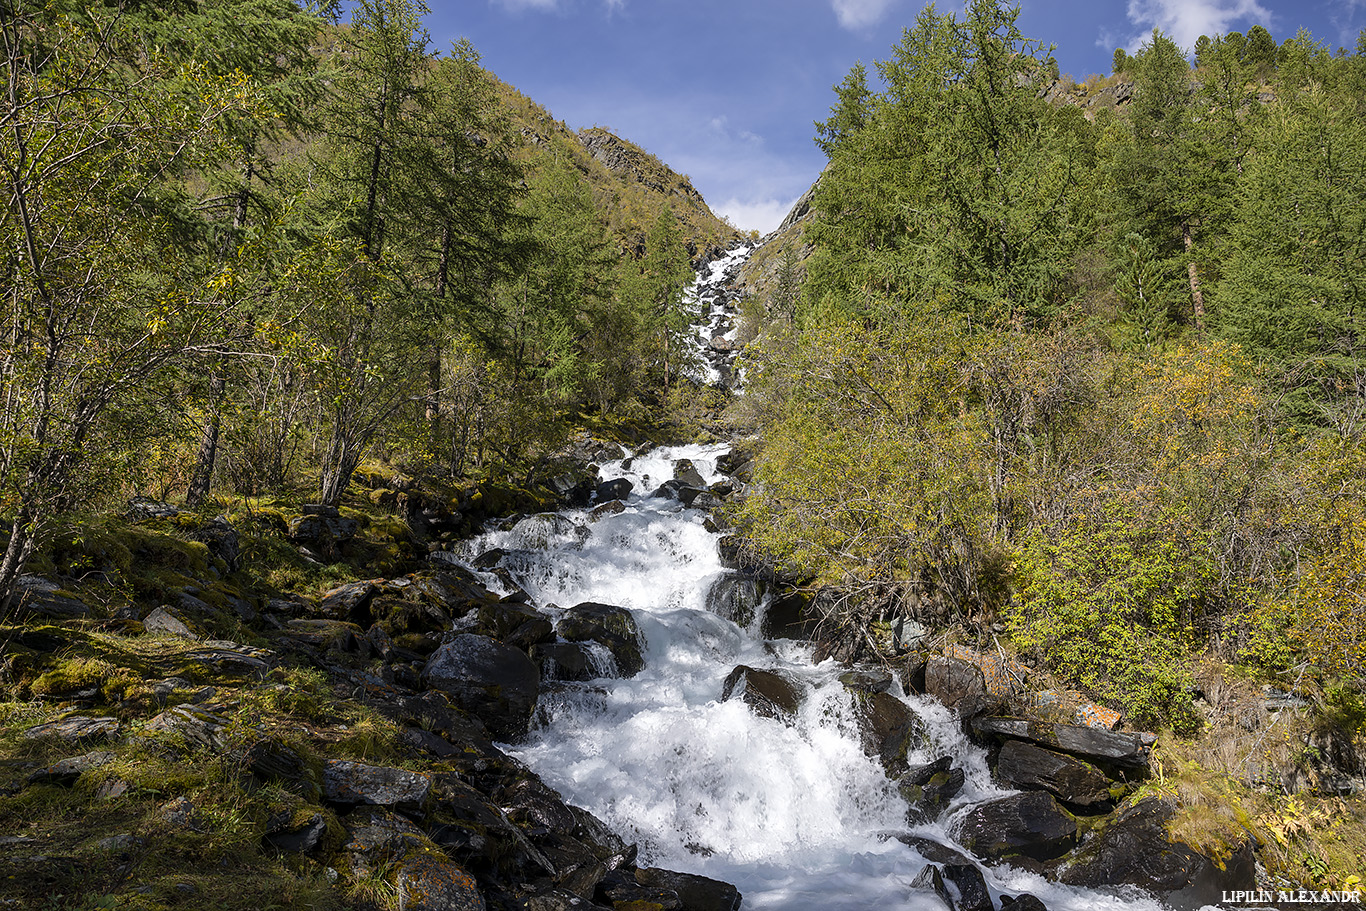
430	882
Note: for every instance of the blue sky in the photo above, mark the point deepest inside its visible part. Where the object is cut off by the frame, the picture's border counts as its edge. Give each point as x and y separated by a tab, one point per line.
726	90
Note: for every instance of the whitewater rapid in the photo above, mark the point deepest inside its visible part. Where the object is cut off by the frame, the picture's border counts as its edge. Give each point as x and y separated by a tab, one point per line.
795	815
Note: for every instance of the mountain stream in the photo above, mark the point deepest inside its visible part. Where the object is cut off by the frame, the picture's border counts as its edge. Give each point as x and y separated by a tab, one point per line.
793	813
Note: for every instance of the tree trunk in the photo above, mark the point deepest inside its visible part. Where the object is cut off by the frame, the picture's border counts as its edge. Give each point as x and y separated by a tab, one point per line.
201	481
21	545
1193	273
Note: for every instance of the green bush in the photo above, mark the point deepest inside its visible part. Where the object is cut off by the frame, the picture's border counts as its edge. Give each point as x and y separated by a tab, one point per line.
1111	606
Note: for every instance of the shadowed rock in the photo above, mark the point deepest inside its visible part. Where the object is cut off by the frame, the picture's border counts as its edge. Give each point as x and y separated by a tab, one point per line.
1029	824
496	683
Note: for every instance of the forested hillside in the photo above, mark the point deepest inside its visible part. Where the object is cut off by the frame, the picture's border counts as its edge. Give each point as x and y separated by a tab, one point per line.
248	245
1093	373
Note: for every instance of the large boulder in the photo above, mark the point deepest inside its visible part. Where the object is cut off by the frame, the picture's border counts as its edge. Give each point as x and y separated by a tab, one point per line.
1032	768
888	728
768	694
695	893
1135	849
1029	824
611	626
496	683
1124	749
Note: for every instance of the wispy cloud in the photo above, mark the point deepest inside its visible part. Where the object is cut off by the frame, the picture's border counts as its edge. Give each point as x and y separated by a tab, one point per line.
860	14
1186	20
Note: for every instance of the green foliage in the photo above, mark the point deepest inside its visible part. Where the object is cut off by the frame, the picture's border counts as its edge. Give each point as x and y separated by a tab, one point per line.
957	182
1111	605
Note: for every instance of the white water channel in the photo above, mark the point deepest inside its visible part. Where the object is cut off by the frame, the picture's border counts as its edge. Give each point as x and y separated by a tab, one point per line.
794	815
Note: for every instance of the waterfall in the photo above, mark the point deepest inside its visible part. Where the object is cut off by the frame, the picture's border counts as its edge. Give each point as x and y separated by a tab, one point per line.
790	810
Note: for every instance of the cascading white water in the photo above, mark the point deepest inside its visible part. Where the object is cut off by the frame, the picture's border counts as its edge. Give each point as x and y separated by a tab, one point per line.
794	814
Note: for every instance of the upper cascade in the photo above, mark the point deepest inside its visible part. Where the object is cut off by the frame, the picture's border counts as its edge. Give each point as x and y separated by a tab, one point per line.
716	294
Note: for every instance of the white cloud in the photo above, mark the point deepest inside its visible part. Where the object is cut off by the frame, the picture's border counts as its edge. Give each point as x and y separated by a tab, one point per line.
762	215
859	14
1186	20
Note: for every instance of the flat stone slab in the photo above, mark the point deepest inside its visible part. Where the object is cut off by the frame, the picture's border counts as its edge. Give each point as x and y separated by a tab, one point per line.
356	783
1028	767
66	771
1120	748
76	729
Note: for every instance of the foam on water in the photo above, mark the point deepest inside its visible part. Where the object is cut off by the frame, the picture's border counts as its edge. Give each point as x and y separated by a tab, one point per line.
789	813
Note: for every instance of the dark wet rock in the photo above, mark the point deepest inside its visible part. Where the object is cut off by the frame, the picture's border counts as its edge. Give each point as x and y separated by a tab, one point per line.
867	680
686	472
934	851
1120	748
698	498
770	695
1028	767
531	803
428	882
927	789
295	835
356	783
1029	824
518	625
973	894
163	620
496	683
737	462
888	729
669	490
570	661
696	893
1022	902
413	615
610	508
930	879
76	729
1135	849
622	891
617	489
789	616
953	681
67	771
736	597
611	626
479	833
910	672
